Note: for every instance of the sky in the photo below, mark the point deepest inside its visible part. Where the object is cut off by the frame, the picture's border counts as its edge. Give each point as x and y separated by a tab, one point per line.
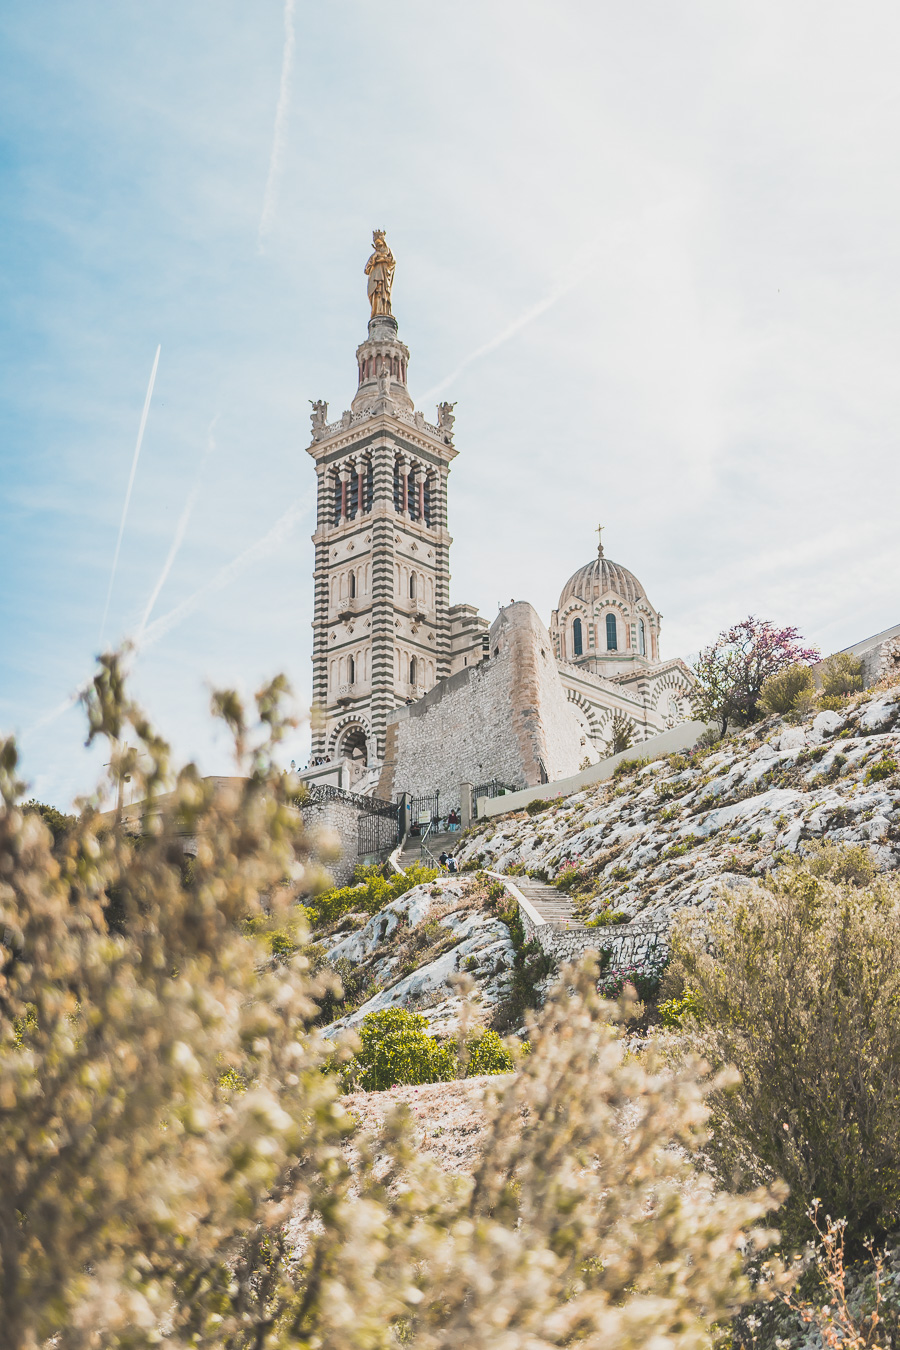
652	251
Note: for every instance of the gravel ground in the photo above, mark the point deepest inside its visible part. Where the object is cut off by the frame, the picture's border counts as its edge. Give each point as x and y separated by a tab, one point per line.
450	1117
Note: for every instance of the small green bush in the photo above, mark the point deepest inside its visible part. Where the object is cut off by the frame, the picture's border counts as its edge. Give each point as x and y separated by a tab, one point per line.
881	769
537	806
396	1048
605	917
840	674
626	766
780	692
673	1011
488	1054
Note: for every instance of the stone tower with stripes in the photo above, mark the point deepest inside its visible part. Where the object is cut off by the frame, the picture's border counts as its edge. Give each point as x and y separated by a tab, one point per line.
384	632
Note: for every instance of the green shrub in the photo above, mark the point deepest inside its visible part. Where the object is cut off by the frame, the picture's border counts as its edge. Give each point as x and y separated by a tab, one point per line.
488	1054
673	1011
831	702
605	917
370	892
57	822
881	769
840	674
782	689
396	1048
801	993
537	806
626	766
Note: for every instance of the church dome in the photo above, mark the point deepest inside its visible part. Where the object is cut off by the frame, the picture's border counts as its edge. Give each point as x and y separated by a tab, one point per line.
598	577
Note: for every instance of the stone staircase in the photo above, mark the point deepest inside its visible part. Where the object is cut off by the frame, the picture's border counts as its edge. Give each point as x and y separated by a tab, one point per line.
435	843
554	906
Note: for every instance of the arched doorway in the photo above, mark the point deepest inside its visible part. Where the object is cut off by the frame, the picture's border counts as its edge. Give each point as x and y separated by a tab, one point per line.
353	745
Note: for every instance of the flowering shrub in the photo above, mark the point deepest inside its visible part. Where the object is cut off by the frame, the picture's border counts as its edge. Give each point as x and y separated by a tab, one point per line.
644	978
148	1199
731	673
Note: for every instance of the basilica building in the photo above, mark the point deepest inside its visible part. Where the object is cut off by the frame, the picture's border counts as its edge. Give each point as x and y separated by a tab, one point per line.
386	637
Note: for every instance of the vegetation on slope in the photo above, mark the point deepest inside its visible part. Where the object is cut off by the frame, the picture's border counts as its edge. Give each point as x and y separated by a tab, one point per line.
171	1145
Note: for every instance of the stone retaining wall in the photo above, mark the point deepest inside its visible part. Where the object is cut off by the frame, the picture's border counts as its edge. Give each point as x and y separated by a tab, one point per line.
341	818
629	944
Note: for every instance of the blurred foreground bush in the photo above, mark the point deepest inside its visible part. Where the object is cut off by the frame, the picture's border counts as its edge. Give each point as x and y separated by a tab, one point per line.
798	986
174	1160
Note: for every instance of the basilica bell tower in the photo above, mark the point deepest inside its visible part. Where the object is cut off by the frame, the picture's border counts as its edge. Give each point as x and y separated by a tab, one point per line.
383	630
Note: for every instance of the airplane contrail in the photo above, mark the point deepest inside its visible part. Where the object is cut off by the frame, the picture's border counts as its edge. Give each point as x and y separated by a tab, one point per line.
269	541
524	319
134	464
253	553
278	134
178	538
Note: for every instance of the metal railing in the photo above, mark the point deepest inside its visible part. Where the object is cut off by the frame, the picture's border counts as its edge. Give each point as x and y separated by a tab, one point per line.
325	792
492	789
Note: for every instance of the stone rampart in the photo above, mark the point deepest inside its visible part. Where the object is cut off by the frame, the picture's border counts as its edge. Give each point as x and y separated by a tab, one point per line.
507	718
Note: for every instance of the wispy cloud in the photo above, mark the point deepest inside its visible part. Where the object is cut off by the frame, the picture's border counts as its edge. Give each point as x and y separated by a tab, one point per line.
134	464
178	537
524	319
270	197
269	542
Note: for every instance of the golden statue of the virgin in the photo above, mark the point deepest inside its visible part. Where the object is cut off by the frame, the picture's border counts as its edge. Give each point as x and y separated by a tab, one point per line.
380	271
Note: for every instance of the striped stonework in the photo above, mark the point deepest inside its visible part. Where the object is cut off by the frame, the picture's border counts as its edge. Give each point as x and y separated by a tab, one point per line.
381	628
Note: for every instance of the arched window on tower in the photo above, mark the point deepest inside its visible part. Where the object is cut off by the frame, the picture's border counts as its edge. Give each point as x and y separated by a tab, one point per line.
577	640
412	585
351	671
413	667
612	644
642	638
352	585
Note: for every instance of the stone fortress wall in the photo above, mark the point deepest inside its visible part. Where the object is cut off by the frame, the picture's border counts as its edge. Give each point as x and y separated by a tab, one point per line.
507	718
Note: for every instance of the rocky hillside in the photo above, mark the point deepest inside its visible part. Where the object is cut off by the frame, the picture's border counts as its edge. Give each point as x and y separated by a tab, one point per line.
669	834
660	837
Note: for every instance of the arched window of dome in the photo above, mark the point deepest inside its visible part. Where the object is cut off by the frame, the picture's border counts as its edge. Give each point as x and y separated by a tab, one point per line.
612	644
642	638
577	642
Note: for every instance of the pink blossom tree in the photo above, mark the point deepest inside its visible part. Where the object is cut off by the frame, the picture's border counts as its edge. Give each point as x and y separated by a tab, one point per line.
731	672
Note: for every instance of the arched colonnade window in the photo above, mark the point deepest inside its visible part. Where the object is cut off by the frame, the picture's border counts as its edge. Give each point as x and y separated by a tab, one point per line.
414	490
371	367
352	488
